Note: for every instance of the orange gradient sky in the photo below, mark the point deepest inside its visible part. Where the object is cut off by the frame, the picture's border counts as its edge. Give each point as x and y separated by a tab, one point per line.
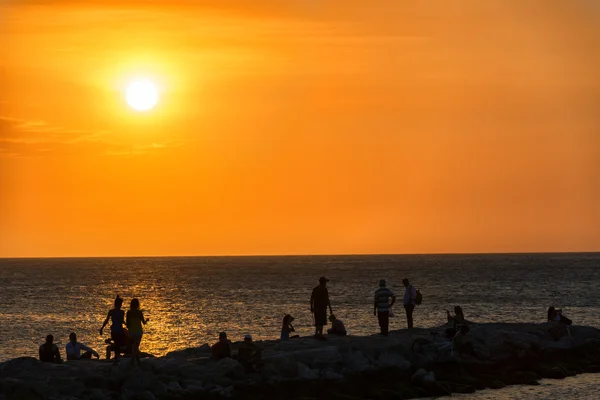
299	126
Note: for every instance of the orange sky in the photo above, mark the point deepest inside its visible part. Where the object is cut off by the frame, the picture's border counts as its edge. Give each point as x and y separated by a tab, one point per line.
300	126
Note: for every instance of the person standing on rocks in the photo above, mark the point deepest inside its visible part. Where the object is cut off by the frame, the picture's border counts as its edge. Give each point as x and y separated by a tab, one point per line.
319	301
410	300
382	306
134	320
117	333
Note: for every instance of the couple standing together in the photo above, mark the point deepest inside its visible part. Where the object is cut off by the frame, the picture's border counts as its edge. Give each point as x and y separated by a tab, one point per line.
383	305
319	302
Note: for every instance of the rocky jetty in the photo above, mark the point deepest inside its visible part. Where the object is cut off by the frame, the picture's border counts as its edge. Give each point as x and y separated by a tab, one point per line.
402	366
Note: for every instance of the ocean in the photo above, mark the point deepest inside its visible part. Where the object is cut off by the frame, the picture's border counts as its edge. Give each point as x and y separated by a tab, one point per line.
189	300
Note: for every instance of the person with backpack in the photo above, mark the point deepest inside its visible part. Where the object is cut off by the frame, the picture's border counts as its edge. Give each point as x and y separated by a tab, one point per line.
410	300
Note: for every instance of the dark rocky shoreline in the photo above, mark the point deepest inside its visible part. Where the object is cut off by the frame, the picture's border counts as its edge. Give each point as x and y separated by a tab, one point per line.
373	367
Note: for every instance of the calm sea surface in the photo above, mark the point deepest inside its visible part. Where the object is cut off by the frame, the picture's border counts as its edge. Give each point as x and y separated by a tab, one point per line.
189	300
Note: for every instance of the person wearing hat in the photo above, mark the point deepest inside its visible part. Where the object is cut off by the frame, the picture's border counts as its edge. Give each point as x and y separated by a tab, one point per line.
249	355
319	301
382	306
221	349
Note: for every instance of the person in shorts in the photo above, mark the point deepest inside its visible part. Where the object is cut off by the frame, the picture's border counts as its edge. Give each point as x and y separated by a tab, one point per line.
319	301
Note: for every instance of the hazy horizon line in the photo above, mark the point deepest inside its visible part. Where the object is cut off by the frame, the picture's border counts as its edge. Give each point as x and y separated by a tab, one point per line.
310	255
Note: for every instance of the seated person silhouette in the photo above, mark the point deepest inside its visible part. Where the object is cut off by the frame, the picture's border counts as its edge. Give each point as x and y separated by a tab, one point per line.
555	315
337	326
287	328
249	355
49	351
458	323
221	349
124	348
74	348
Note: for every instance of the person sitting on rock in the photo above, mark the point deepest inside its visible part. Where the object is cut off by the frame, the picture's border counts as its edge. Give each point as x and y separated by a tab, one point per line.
337	326
287	328
249	355
74	348
221	349
49	351
125	347
555	315
458	322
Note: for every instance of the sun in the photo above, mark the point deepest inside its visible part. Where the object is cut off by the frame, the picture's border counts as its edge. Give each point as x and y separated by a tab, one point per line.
141	95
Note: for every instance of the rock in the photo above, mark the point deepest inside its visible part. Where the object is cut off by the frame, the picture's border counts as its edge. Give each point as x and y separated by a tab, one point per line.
423	378
306	373
17	366
392	360
226	392
593	369
428	378
95	382
495	384
187	383
331	375
460	388
230	368
551	372
97	394
418	376
174	387
356	362
15	389
281	365
146	395
195	352
319	358
72	386
139	381
523	378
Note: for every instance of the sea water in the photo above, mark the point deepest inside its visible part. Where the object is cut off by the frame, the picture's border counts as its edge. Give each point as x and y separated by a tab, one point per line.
190	300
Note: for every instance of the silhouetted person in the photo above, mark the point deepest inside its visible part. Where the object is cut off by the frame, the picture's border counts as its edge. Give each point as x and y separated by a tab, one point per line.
249	355
457	320
555	315
319	301
287	327
410	296
221	349
337	326
73	349
49	351
382	306
134	320
117	333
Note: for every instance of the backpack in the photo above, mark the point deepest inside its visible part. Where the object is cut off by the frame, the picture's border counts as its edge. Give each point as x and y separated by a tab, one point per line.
419	298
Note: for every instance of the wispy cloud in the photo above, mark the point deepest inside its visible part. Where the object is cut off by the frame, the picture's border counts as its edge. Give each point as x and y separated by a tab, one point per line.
38	138
123	151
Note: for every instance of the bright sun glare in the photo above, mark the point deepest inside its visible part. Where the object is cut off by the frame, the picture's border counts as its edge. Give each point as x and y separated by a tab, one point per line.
141	95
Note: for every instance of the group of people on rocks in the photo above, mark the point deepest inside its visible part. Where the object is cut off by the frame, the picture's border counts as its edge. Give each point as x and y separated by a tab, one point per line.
49	351
384	299
127	328
126	335
249	354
